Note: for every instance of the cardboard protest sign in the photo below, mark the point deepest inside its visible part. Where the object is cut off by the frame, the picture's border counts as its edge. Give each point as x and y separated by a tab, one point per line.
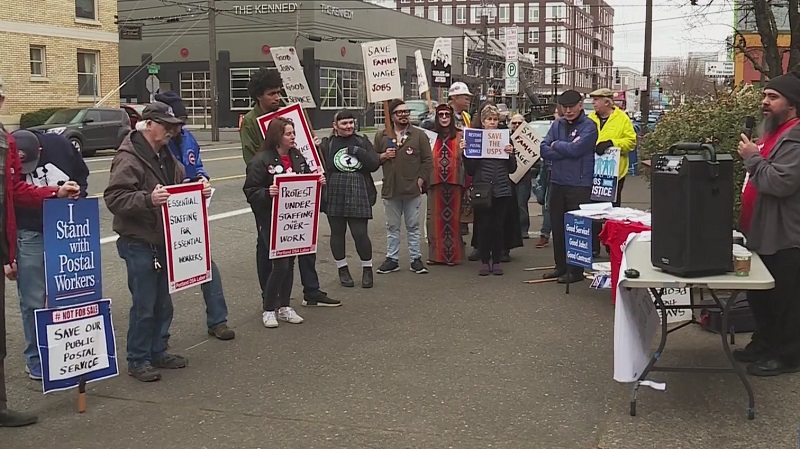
441	66
606	176
76	343
578	237
72	256
432	136
486	143
187	237
382	70
528	144
294	80
422	79
295	216
304	140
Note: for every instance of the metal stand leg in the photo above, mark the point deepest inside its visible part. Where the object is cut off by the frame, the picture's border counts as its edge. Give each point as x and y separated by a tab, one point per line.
659	301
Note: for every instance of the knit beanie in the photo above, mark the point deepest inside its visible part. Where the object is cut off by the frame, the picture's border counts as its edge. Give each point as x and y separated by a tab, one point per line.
787	85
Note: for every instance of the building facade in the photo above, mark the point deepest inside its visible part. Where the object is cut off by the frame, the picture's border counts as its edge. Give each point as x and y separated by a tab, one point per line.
66	54
628	79
748	41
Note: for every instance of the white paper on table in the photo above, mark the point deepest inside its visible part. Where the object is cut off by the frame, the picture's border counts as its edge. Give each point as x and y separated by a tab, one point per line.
208	200
589	213
596	206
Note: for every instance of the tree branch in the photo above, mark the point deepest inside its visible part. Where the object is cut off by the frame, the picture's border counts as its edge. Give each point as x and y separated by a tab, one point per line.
794	43
740	44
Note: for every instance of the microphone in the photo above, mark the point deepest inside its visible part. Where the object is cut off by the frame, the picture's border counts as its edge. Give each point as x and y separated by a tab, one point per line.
749	124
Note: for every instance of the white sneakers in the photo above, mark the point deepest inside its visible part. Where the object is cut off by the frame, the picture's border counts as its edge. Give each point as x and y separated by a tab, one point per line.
270	319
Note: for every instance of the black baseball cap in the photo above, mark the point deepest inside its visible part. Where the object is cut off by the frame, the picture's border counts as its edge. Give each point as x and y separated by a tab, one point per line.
161	113
29	149
570	98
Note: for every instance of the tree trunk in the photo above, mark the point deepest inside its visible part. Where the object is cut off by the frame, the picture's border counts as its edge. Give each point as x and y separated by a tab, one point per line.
794	42
765	23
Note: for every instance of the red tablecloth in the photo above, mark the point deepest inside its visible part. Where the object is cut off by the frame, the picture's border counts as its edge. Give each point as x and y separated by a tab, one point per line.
613	235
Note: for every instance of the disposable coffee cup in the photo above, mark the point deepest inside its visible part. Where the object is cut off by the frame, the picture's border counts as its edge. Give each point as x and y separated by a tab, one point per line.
741	261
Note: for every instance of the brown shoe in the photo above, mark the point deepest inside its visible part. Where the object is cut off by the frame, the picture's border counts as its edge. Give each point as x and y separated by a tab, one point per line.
222	332
542	242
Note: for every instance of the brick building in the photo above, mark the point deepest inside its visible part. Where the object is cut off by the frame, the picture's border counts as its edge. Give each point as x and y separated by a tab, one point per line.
64	54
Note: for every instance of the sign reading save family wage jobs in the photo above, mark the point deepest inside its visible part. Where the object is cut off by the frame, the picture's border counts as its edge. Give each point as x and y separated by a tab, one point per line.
295	216
294	80
382	70
527	143
187	237
304	140
72	264
578	236
486	143
76	343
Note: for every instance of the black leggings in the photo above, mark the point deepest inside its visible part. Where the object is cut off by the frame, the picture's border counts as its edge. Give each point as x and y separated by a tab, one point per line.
358	229
488	229
279	284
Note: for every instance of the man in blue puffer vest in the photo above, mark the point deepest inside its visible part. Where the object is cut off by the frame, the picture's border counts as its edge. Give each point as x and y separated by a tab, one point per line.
186	150
569	146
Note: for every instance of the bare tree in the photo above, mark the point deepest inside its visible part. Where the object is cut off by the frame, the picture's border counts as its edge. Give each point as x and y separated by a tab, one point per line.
686	78
769	58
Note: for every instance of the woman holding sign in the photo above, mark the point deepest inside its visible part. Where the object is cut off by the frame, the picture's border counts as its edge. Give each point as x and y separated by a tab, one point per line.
277	155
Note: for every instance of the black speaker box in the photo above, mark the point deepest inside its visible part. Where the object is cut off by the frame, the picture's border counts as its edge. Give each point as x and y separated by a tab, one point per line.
692	211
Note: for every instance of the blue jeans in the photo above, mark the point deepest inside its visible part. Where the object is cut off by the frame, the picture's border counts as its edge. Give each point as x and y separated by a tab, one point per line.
408	209
31	288
151	304
546	227
306	263
214	297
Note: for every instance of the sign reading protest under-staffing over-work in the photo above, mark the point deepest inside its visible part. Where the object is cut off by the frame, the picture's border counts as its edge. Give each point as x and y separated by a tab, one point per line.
578	236
187	237
527	143
606	175
441	57
295	216
76	343
304	140
72	264
486	143
382	70
294	80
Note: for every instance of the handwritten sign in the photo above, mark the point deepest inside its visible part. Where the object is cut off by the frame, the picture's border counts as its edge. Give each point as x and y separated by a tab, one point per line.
578	236
304	140
527	143
72	261
187	237
295	216
441	57
294	80
76	342
486	143
382	70
422	79
606	175
675	297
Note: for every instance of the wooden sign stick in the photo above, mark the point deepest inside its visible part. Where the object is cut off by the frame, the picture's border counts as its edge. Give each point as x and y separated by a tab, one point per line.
387	117
540	268
82	395
428	99
540	281
308	120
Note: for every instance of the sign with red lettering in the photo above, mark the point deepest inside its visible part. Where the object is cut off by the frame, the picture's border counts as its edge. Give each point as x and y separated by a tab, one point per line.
382	70
304	140
187	236
295	216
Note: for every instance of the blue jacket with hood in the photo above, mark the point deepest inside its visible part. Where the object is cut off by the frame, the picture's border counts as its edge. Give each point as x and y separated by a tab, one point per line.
569	147
187	151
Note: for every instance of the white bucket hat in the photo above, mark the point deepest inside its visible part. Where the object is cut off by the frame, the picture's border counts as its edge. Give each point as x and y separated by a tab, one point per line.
458	88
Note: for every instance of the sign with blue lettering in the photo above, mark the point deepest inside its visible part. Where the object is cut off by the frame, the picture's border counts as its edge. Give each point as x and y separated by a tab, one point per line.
606	176
486	143
72	251
578	235
474	141
76	343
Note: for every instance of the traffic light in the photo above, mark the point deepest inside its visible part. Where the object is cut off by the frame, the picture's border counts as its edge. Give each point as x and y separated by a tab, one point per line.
660	90
637	91
618	80
658	83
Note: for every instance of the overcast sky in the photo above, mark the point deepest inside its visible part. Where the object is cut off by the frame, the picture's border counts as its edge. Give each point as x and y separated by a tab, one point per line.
678	28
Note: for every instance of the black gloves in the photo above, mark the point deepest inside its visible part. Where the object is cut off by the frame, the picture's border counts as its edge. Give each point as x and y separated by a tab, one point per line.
601	147
354	150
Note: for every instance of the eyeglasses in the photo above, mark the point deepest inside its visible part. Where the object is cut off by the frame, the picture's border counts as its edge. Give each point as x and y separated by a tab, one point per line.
403	112
443	114
516	123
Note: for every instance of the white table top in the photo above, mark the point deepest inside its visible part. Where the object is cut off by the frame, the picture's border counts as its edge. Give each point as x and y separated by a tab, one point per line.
637	256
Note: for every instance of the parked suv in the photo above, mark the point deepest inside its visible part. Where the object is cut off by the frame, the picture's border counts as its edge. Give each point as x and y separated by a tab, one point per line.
89	129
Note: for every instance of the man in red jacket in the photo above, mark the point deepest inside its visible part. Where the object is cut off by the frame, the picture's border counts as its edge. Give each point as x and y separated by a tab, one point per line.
13	188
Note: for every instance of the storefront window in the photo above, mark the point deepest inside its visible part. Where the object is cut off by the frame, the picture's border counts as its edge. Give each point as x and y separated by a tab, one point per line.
240	99
341	88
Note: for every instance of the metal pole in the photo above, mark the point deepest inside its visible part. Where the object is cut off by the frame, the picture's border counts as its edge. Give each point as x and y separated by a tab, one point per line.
212	66
556	74
485	65
648	48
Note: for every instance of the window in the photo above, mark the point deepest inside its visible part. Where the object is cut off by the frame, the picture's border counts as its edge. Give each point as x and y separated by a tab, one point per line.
341	88
37	62
533	35
474	14
240	99
501	33
521	35
533	12
419	11
504	13
519	12
433	13
405	1
86	9
491	12
461	15
447	15
406	10
490	33
87	74
195	88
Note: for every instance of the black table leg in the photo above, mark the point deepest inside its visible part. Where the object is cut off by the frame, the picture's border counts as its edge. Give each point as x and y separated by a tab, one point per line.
659	302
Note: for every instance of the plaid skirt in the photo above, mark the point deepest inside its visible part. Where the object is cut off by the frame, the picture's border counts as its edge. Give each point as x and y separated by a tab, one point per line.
346	196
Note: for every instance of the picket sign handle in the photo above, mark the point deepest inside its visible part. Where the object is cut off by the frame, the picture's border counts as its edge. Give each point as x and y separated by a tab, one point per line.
387	118
82	395
308	120
428	99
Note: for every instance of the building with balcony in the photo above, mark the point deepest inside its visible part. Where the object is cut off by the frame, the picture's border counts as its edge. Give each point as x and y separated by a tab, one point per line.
66	54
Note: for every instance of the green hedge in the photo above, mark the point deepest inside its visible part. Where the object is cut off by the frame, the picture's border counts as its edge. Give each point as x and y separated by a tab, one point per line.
35	118
713	120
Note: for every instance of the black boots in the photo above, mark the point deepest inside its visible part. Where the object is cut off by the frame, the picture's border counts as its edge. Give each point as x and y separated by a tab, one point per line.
366	278
344	277
10	418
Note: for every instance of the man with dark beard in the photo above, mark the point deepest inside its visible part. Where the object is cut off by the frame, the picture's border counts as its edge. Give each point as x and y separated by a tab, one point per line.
770	219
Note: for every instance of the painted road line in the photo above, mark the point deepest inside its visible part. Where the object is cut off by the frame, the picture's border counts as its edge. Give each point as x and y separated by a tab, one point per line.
221	178
202	150
226	158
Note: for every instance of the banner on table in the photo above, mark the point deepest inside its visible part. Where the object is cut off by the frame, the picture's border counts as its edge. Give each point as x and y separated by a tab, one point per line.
187	237
606	176
486	143
441	62
294	80
72	261
578	236
304	139
527	143
422	78
295	216
76	343
382	70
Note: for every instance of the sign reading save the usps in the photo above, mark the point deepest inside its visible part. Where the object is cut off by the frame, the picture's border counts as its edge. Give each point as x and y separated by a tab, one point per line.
486	143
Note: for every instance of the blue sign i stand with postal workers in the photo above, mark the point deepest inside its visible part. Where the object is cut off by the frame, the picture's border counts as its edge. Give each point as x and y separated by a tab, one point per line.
578	236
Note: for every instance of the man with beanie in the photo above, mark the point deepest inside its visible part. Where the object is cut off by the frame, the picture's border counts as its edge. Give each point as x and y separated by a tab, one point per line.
770	219
407	163
569	147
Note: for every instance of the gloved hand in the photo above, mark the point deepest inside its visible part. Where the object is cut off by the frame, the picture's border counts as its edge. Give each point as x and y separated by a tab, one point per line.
354	150
601	147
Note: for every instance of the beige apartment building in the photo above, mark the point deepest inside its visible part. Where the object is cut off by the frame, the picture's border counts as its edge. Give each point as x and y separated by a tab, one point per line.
60	53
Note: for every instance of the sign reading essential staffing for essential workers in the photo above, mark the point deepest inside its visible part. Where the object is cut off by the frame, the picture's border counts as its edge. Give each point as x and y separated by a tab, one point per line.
295	216
72	262
382	70
187	236
486	143
578	236
304	141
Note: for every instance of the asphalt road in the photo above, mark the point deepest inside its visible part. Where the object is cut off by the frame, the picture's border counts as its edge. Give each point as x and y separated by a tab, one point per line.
443	360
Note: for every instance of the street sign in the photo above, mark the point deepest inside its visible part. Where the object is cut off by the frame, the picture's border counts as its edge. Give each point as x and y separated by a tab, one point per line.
153	69
152	83
512	43
719	68
512	77
130	32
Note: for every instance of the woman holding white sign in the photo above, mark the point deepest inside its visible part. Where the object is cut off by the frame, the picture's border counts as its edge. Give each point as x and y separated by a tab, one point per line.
278	155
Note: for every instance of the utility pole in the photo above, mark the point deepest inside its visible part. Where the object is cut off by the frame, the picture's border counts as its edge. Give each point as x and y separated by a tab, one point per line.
648	50
485	33
556	73
212	67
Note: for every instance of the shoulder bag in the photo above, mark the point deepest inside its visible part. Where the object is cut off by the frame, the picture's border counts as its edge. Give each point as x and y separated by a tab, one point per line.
481	191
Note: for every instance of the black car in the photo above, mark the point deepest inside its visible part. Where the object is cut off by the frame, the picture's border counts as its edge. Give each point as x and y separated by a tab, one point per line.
89	129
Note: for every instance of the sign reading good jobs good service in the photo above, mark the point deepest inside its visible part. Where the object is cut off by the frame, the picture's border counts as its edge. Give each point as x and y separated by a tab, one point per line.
187	237
382	70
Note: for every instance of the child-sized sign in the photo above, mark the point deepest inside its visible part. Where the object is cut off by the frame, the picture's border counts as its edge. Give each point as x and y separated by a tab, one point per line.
382	70
72	263
294	80
187	237
304	140
578	236
486	143
527	143
606	176
295	216
76	343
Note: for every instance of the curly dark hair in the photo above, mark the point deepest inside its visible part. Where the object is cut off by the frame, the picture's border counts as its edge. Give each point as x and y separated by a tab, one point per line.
263	80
